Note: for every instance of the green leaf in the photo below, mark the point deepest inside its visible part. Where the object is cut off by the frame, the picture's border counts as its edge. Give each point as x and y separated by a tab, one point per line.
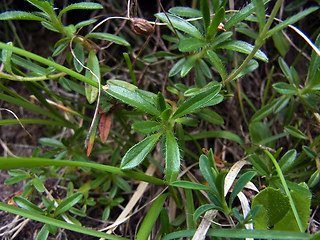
220	38
108	37
216	20
78	61
146	127
81	5
203	67
176	68
25	204
18	172
180	24
285	88
150	218
275	205
16	179
130	67
291	20
243	47
139	151
161	103
166	114
260	13
51	142
188	65
190	44
287	160
302	203
42	5
314	71
198	101
6	56
190	185
205	9
85	23
259	165
310	153
172	157
202	209
58	223
281	43
285	69
94	75
241	15
250	67
38	184
19	15
128	94
66	204
216	134
240	184
295	132
188	121
43	233
314	179
259	132
208	172
216	61
263	112
185	12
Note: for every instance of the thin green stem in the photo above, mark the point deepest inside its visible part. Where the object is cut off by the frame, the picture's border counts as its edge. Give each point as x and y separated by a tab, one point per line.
258	43
48	63
25	162
286	189
31	79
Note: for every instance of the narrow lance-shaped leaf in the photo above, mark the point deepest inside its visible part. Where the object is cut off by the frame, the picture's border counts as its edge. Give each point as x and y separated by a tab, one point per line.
108	37
190	44
313	74
260	13
190	185
180	24
291	20
197	101
19	15
24	203
285	88
127	93
150	218
216	20
216	61
243	47
138	152
81	5
204	6
66	204
172	157
241	15
287	159
185	12
146	127
93	74
6	58
242	181
78	60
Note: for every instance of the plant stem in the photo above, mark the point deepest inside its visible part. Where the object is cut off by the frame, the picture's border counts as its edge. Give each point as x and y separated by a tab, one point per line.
48	63
258	43
286	189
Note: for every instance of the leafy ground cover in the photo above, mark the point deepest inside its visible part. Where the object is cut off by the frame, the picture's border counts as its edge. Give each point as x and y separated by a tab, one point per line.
184	121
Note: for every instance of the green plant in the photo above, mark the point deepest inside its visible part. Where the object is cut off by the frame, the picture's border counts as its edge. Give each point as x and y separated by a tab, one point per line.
143	128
